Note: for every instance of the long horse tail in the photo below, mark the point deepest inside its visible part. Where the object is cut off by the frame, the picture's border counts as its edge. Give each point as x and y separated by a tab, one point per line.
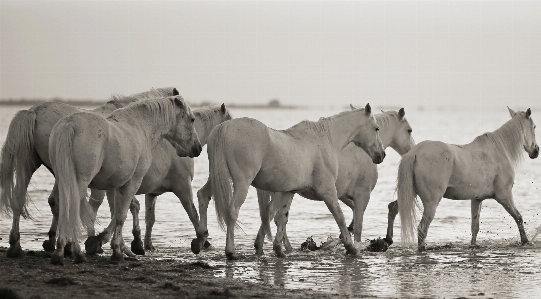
407	198
264	198
220	177
75	211
15	163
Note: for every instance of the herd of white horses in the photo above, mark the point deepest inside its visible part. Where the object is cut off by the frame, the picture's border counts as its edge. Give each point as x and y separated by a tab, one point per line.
145	144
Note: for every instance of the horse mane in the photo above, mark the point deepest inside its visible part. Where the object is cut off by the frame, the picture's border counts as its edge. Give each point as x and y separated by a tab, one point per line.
207	115
119	100
384	119
509	139
319	127
162	110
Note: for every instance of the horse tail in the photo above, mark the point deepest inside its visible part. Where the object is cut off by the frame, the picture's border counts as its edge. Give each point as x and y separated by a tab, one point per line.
220	177
407	197
75	211
264	198
15	163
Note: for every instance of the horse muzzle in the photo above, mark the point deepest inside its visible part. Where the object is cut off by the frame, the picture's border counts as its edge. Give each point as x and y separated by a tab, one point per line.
378	158
535	153
196	149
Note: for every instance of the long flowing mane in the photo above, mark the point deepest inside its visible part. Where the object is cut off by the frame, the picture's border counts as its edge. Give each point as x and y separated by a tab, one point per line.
509	139
208	116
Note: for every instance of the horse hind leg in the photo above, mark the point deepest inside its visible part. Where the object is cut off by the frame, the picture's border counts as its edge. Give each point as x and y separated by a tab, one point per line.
203	197
93	243
428	215
137	243
281	219
393	211
49	245
239	196
95	200
475	214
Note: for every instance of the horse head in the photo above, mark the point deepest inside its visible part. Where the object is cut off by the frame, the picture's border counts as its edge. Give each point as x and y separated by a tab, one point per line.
528	128
183	135
401	139
368	136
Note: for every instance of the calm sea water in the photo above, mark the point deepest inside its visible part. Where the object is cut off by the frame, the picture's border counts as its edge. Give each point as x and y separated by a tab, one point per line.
499	268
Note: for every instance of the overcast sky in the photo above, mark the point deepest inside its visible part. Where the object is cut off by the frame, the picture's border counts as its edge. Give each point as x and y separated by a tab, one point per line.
306	53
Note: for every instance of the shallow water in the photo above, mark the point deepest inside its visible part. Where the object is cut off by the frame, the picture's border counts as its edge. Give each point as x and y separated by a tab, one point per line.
499	268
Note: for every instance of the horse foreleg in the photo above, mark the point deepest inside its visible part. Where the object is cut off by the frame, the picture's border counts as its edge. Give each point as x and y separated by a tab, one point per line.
475	214
203	197
393	211
95	200
331	200
351	205
150	217
509	205
281	218
137	243
183	191
361	200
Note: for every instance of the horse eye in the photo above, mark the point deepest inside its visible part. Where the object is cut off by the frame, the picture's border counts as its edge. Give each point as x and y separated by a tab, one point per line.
193	119
410	130
377	129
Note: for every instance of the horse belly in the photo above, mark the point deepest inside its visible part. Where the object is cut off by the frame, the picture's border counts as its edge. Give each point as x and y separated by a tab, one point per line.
472	178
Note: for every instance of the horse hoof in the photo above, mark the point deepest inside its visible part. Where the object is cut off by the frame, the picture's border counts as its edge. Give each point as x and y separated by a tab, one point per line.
389	241
231	256
117	258
15	252
351	250
48	246
150	247
79	258
207	244
93	245
421	248
195	246
137	247
67	250
57	260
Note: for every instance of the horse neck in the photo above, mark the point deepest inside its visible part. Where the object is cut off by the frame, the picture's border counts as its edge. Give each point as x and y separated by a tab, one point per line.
152	127
343	127
509	139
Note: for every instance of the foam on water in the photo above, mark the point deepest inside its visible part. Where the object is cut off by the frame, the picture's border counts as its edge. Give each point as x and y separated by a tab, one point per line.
498	267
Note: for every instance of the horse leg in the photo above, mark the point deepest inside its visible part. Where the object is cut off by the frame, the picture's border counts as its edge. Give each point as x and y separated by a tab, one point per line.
351	205
150	216
203	197
282	215
49	245
137	243
509	205
272	210
239	196
475	214
428	216
393	211
93	243
361	199
95	200
183	190
331	200
122	204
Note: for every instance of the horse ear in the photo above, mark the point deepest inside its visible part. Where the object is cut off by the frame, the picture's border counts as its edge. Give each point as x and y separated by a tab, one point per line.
382	111
178	102
401	114
175	91
511	112
351	106
528	113
368	109
222	108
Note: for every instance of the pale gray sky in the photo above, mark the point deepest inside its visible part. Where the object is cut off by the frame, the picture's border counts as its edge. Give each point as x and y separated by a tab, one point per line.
308	53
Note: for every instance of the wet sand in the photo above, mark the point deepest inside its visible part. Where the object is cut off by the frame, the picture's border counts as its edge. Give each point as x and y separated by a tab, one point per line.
35	277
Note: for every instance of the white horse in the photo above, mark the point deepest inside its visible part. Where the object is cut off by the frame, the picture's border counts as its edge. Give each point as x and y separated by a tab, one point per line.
167	173
27	148
300	159
357	175
112	153
482	169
